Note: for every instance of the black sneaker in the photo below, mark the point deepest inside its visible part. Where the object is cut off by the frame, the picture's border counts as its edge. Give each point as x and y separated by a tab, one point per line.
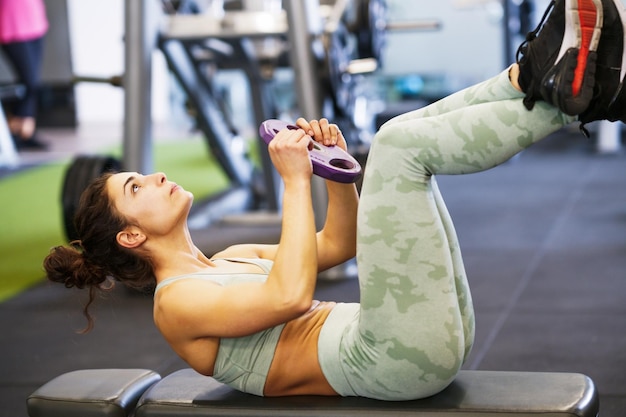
609	102
30	144
558	59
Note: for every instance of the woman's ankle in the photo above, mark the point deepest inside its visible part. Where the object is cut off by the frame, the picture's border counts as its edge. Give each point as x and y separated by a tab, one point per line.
514	77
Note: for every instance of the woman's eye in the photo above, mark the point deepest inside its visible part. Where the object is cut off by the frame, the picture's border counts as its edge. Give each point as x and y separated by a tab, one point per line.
135	188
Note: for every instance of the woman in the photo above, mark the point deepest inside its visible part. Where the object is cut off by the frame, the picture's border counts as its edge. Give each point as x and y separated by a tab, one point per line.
246	315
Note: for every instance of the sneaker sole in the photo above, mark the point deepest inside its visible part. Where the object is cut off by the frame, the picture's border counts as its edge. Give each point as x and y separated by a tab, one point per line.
588	14
569	85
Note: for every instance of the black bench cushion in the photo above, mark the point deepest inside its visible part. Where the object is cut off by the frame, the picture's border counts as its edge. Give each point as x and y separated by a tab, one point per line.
473	393
91	393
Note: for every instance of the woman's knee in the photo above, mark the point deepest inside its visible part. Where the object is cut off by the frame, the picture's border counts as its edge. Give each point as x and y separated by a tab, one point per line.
406	149
392	136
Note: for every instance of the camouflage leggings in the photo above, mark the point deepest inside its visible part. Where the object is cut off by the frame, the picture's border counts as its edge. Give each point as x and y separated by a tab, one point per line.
415	324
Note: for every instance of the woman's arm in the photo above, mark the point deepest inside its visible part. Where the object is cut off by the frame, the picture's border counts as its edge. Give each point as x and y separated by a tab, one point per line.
336	242
203	309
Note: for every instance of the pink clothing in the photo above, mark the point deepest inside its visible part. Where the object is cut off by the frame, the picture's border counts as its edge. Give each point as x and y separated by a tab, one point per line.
22	20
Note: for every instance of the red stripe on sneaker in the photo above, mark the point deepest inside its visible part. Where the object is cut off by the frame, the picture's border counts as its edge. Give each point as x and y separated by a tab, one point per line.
587	15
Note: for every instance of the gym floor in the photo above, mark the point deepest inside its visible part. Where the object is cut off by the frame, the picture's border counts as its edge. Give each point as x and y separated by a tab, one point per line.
544	241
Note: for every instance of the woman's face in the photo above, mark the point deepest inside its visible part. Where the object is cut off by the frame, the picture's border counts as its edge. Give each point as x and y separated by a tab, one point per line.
150	202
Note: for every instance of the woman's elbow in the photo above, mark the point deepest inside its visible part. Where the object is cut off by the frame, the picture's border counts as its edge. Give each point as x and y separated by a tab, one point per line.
291	304
300	303
302	306
292	307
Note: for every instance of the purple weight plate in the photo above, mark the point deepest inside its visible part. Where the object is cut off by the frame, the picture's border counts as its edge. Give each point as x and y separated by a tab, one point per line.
330	162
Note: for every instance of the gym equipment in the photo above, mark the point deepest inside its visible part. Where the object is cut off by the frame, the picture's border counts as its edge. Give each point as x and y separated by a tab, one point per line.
78	175
91	393
367	20
110	392
114	80
330	162
8	154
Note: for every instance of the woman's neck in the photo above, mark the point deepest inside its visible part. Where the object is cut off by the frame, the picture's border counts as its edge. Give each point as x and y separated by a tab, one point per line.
177	256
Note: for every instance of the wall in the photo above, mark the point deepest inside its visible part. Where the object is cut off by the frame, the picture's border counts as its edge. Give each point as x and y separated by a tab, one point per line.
468	46
97	42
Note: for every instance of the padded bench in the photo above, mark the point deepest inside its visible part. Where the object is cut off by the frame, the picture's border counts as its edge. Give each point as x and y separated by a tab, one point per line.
187	393
91	393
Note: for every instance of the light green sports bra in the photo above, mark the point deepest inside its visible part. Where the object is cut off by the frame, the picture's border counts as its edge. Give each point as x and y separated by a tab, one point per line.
242	362
225	279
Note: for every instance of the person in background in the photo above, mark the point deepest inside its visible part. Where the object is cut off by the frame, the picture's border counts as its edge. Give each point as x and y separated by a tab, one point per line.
23	25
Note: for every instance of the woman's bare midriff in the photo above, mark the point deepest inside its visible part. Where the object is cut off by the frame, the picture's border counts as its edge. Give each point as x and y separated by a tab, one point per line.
295	369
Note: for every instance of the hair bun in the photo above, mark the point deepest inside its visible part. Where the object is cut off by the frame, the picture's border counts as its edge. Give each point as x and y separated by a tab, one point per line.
70	267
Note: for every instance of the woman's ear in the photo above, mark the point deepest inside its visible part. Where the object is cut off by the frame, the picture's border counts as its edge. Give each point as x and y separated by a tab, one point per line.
130	238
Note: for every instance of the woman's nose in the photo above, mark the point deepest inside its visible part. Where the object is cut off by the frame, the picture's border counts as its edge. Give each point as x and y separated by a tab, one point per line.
160	177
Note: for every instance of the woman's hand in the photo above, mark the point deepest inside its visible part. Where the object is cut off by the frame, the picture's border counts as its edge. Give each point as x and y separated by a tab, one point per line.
290	156
323	132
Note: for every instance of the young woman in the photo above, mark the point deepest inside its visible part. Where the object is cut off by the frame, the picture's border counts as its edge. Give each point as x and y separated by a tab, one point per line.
247	317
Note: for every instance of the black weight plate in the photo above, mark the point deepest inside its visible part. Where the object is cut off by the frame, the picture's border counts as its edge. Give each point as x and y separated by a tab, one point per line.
371	29
78	176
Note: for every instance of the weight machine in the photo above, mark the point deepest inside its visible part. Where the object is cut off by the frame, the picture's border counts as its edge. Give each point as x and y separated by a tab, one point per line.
8	153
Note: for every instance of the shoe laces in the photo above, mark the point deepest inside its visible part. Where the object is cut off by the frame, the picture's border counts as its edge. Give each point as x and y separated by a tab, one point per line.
530	36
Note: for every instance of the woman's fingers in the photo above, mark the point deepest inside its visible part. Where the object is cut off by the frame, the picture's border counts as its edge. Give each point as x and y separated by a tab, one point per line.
320	130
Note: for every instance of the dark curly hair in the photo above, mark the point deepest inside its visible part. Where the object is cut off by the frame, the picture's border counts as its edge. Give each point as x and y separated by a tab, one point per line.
97	260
